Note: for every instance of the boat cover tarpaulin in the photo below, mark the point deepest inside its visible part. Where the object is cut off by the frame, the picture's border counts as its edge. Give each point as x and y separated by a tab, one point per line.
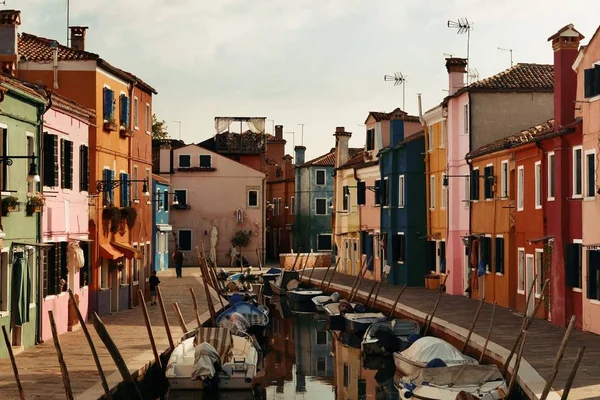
219	338
254	315
205	358
459	375
427	348
235	322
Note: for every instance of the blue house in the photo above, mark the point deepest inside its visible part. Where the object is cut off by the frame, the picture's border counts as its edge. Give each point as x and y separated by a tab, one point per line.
161	228
404	221
313	199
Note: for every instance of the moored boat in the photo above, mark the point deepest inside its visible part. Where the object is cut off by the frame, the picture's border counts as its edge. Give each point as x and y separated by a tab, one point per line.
256	317
269	277
302	295
360	322
389	336
335	311
285	281
321	301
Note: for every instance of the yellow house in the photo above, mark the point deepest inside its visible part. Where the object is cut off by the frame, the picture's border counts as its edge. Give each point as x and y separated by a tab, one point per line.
436	165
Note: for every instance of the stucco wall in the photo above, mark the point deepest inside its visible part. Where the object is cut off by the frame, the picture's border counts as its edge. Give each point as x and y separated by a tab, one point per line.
317	260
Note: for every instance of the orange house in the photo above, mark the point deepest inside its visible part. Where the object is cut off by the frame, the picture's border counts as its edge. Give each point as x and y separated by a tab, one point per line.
94	83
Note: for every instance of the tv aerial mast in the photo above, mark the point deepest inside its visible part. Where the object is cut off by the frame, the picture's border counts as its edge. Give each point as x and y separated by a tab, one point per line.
399	79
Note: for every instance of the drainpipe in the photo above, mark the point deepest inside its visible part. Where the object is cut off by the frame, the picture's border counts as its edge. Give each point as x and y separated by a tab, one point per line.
425	128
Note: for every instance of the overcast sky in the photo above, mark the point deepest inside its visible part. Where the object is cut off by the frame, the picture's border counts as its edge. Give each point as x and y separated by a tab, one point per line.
314	62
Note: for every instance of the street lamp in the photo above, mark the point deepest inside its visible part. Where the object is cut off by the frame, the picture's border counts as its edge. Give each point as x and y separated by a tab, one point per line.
32	175
104	186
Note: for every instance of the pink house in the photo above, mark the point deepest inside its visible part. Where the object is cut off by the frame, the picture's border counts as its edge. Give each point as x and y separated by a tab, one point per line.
65	216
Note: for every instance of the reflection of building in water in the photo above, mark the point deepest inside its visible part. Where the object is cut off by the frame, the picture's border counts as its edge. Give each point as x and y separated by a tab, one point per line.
313	350
281	358
351	380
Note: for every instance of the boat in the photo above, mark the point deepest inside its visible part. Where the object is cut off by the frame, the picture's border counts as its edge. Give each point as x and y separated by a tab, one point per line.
285	281
302	295
484	382
335	315
212	359
390	336
426	349
256	317
269	277
360	322
320	301
302	307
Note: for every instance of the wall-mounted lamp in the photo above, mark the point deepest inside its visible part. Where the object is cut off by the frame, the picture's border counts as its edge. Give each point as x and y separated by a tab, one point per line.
32	175
175	202
107	185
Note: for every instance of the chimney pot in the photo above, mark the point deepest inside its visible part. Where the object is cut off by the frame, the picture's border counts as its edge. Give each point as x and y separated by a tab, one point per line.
457	67
340	129
78	37
279	132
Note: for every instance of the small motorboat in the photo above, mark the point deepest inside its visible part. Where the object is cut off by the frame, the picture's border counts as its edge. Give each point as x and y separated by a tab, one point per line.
302	307
360	322
335	313
212	359
446	383
256	317
425	350
269	277
302	295
390	336
320	301
285	281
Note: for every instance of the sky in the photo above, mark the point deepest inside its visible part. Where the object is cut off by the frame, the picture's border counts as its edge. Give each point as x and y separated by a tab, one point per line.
314	62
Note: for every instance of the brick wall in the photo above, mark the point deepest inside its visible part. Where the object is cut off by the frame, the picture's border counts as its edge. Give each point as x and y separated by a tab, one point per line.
286	261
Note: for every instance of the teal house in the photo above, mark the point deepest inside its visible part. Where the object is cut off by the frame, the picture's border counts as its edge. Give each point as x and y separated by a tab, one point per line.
22	106
161	229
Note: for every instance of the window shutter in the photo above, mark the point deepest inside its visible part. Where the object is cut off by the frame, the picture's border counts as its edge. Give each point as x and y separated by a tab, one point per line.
588	83
63	164
55	182
499	255
111	177
48	159
596	88
475	185
166	201
126	190
122	189
106	104
70	164
377	192
571	265
84	168
360	192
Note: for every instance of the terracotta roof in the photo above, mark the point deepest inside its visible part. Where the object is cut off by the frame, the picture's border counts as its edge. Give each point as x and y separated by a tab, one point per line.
160	179
70	106
397	114
409	139
328	160
36	49
525	136
355	161
521	77
29	88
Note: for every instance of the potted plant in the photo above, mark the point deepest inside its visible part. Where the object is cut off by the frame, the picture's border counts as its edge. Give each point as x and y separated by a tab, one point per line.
109	125
9	204
128	216
432	281
35	202
241	239
111	215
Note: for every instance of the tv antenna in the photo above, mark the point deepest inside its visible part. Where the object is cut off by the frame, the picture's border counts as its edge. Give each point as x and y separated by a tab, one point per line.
509	50
473	75
302	135
463	26
399	79
448	55
3	3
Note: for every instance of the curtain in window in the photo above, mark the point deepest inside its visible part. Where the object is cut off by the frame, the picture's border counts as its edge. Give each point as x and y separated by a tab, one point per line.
257	125
222	124
21	290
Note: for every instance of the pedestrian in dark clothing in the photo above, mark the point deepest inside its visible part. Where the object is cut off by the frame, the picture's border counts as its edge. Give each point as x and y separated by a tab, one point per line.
178	258
154	282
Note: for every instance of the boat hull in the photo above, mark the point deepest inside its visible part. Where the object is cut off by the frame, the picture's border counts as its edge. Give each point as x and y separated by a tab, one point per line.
302	296
225	383
267	279
276	290
360	325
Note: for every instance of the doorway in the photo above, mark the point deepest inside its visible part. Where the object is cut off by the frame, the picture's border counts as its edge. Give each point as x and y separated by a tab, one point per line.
529	273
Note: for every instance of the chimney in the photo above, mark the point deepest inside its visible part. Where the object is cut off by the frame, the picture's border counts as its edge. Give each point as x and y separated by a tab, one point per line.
78	37
341	146
457	68
299	150
9	54
565	44
279	132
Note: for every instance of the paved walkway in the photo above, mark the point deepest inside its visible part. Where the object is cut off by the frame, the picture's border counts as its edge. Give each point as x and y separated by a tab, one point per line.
542	343
39	368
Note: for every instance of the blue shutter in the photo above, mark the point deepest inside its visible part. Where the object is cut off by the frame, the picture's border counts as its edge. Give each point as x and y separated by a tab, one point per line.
127	189
122	189
111	177
124	111
127	111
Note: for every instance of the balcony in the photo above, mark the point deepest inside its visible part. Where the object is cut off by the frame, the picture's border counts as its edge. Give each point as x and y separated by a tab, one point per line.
245	143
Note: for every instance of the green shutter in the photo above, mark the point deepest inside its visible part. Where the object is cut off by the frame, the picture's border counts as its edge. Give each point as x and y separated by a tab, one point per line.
377	192
588	83
361	188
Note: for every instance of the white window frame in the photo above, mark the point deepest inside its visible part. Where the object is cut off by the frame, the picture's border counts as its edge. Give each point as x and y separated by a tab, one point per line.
401	195
248	198
149	186
521	269
444	192
430	138
179	160
209	155
583	281
589	196
148	119
191	231
504	179
537	171
575	149
404	241
503	258
520	188
444	136
316	208
136	113
135	188
432	192
551	172
324	177
536	271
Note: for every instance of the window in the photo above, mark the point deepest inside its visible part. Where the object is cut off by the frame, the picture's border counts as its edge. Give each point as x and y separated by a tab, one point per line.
475	184
573	265
109	195
84	168
148	119
577	171
593	275
591	81
320	177
4	166
55	268
185	161
321	337
485	252
85	272
159	201
499	255
148	184
467	200
400	247
442	256
66	150
320	206
278	204
252	198
377	192
166	199
135	272
370	139
278	172
108	105
292	205
444	139
385	193
401	199
520	188
521	270
504	179
590	173
488	182
124	190
466	119
181	195
134	184
539	270
444	190
321	365
538	184
432	192
361	193
50	160
324	242
30	152
205	161
124	110
184	239
430	138
345	198
135	113
550	176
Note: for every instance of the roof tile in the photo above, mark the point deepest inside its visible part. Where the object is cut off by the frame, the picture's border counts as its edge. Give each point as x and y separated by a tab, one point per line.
397	114
522	76
328	160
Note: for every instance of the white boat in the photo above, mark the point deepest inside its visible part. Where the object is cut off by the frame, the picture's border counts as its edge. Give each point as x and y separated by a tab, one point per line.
212	356
484	382
422	351
320	301
360	322
397	331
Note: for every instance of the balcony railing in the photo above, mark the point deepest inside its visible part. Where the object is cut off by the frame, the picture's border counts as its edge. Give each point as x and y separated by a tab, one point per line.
235	143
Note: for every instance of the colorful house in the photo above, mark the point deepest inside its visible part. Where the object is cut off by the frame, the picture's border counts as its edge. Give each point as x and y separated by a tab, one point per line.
20	126
587	67
163	200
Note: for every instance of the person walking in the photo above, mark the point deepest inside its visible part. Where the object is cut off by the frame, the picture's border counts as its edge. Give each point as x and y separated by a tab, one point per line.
178	258
154	282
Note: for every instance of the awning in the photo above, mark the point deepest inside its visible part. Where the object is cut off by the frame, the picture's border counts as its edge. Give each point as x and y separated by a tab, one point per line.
164	227
541	239
130	252
107	251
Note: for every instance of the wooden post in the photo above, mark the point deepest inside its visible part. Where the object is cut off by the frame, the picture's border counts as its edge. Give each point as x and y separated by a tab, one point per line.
211	307
558	359
331	279
325	276
259	260
312	271
180	317
116	356
195	306
304	266
383	277
437	303
513	378
149	328
489	334
164	317
571	377
428	312
371	293
13	363
91	344
475	317
295	260
393	309
364	272
61	360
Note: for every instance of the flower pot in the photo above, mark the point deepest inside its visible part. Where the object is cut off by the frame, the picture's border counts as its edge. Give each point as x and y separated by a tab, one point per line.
427	283
434	283
13	208
37	209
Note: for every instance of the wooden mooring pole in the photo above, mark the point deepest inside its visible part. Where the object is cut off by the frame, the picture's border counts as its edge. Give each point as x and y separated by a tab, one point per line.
558	359
515	372
383	277
393	309
371	293
259	260
325	276
61	360
116	356
489	334
475	318
163	312
295	260
364	272
91	344
437	303
313	268
331	278
13	362
571	378
149	328
357	278
180	317
305	264
195	303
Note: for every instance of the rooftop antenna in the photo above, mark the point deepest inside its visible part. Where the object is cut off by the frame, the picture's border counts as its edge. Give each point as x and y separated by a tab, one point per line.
448	55
509	50
179	131
399	79
473	75
463	26
293	137
302	137
68	17
3	3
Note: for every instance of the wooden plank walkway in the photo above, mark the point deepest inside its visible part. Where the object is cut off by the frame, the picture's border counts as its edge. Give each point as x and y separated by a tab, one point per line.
543	339
39	368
